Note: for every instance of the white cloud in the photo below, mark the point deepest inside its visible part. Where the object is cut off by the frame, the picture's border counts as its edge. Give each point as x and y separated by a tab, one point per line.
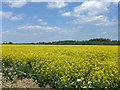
64	0
89	7
39	27
91	12
5	14
67	14
56	5
16	3
41	22
96	20
104	32
46	28
4	32
17	17
114	1
92	8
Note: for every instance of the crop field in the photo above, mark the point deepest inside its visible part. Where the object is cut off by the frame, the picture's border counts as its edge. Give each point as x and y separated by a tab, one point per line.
63	66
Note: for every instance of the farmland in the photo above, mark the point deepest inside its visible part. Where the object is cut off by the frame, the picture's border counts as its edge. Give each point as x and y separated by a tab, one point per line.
63	66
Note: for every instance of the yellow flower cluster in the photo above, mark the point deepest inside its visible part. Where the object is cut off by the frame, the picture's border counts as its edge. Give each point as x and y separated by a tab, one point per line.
64	64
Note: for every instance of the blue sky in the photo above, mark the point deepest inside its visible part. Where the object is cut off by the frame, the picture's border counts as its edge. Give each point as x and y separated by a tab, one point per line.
52	21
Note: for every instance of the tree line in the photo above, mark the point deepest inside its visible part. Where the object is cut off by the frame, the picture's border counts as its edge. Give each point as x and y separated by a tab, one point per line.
97	41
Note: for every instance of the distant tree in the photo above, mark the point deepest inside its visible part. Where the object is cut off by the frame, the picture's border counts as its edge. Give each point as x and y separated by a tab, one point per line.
100	40
10	43
114	41
31	43
97	41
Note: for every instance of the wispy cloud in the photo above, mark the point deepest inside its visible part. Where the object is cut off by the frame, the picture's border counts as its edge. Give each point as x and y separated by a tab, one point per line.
4	32
46	28
41	22
16	3
104	32
38	27
5	14
17	17
96	20
56	5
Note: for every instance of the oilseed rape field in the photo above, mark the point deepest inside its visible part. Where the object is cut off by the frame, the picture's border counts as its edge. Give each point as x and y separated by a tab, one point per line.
63	66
